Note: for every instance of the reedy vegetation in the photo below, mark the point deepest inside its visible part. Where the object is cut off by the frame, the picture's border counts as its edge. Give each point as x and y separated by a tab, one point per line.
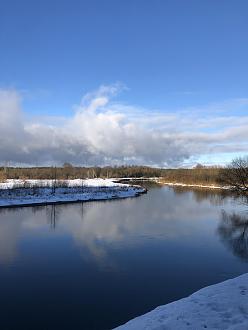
200	174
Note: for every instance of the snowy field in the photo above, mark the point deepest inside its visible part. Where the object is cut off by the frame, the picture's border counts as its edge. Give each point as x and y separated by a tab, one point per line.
31	192
220	306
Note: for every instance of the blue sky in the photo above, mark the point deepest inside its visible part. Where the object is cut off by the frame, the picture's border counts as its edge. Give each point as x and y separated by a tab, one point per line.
167	56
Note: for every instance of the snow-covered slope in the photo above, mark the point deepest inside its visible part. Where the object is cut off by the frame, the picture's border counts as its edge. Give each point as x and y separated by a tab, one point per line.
220	306
31	192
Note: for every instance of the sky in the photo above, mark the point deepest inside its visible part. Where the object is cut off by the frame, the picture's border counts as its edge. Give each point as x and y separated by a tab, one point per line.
111	82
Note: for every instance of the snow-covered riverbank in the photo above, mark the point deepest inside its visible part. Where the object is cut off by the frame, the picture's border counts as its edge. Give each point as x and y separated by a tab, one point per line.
220	306
36	192
193	185
159	180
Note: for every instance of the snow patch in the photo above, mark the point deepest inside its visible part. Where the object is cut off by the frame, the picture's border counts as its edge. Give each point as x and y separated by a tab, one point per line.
194	185
220	306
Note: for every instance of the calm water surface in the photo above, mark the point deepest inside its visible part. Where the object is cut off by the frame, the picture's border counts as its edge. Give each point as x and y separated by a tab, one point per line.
96	265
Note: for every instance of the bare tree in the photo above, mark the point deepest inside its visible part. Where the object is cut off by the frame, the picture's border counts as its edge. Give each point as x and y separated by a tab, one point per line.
235	175
54	182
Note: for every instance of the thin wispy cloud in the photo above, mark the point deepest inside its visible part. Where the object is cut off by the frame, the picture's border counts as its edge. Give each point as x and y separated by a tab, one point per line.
102	131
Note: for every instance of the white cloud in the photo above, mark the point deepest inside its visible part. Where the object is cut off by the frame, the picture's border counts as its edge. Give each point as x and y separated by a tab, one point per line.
105	132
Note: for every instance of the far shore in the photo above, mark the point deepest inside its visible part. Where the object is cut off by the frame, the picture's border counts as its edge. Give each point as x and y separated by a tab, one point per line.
181	184
194	185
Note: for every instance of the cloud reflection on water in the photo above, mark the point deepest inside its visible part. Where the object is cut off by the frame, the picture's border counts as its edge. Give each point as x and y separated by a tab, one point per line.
97	227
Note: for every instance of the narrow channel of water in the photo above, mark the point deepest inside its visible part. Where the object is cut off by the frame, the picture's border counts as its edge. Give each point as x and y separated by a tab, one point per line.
96	265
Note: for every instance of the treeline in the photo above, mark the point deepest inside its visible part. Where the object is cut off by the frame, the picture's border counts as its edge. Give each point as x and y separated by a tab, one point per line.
198	175
71	172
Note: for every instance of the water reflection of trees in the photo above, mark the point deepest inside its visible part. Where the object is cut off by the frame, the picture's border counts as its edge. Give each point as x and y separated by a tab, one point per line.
233	230
52	213
214	196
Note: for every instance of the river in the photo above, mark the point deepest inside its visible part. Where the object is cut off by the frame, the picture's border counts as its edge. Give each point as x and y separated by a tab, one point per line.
96	265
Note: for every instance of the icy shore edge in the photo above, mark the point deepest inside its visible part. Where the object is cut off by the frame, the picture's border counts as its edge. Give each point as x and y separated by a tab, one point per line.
220	306
195	185
38	192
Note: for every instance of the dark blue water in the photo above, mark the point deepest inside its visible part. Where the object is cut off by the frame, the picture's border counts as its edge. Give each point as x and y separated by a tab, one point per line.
96	265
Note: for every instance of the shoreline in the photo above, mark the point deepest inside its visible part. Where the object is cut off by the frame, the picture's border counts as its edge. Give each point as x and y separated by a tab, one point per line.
68	191
46	203
219	306
17	194
194	185
180	184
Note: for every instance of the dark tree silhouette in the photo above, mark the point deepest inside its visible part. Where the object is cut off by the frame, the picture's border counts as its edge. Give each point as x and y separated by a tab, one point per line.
235	175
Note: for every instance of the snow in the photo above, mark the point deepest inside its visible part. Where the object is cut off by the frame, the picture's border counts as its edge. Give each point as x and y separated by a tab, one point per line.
31	192
194	185
11	183
220	306
96	183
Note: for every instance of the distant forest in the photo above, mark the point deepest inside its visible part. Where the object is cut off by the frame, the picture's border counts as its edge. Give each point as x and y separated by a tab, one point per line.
197	175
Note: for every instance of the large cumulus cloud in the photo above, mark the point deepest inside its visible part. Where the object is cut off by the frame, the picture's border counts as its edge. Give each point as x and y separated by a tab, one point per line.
102	132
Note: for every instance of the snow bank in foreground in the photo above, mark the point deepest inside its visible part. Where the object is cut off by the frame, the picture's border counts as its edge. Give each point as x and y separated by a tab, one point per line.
31	192
220	306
